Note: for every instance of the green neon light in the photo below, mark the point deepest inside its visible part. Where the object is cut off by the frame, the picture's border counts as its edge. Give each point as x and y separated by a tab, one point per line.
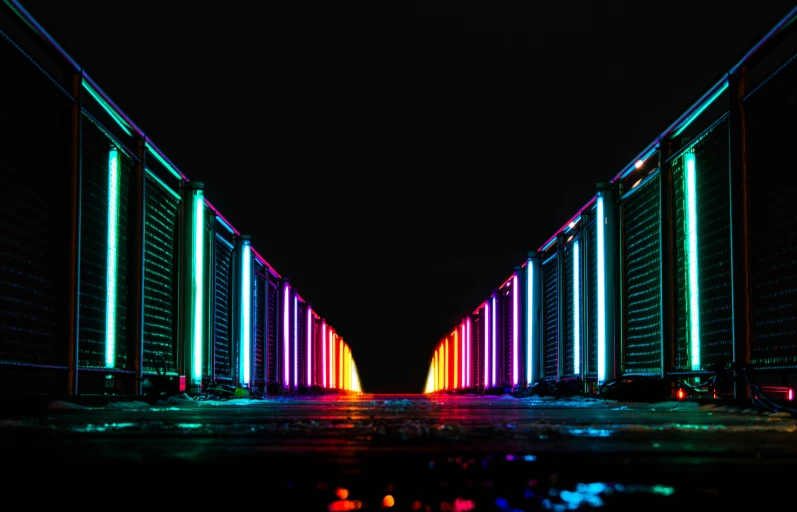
198	278
702	108
113	241
164	185
164	163
109	110
690	187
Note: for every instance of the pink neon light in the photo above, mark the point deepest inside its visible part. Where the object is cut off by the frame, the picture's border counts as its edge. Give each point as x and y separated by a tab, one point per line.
264	262
486	345
323	353
309	346
508	279
470	360
463	356
515	333
567	224
286	330
476	311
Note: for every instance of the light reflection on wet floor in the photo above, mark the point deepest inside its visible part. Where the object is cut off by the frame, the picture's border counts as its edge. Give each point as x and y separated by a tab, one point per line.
431	453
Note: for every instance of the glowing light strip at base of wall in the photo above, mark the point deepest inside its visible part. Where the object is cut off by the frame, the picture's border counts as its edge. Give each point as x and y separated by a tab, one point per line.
601	290
309	346
576	310
530	320
111	256
494	343
295	341
486	345
246	313
515	333
286	334
691	254
199	277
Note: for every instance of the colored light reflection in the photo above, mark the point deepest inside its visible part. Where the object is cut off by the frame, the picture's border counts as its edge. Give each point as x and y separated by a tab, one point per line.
111	258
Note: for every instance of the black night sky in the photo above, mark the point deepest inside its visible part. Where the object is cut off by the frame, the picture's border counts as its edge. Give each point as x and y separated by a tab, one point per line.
396	165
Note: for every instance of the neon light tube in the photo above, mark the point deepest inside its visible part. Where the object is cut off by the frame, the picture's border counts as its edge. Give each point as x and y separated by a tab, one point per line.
445	364
295	340
456	359
464	354
429	388
199	275
530	320
486	345
166	187
309	346
494	342
331	359
601	220
324	353
576	311
111	258
246	313
691	253
470	352
286	334
515	332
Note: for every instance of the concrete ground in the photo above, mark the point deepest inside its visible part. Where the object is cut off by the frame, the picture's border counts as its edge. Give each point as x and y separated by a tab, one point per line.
415	452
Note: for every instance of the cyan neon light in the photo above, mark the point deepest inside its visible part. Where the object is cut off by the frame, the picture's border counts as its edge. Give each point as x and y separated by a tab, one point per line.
515	332
166	187
246	313
494	338
286	334
691	254
295	340
601	220
224	224
530	320
104	106
486	345
199	267
703	107
576	310
309	346
111	256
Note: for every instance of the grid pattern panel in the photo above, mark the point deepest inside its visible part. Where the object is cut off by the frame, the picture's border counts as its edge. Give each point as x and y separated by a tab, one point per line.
642	283
222	325
591	236
713	250
773	220
506	304
159	276
208	307
568	337
271	331
32	213
94	249
300	354
260	298
477	350
550	300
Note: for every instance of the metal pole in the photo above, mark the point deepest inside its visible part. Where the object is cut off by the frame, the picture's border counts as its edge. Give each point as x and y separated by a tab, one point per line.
560	308
73	300
740	229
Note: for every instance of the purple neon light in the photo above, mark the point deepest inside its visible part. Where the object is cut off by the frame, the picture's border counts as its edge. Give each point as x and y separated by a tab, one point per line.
515	334
486	344
286	333
309	346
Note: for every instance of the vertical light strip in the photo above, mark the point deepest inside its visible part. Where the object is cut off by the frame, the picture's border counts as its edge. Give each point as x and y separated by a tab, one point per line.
295	340
601	220
576	310
199	276
530	320
286	334
515	332
332	382
436	369
494	343
309	346
324	354
429	388
246	312
486	345
111	255
456	359
445	363
469	345
691	253
464	355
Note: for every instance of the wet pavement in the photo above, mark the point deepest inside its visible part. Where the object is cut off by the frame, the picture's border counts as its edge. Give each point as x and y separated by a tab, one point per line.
412	452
